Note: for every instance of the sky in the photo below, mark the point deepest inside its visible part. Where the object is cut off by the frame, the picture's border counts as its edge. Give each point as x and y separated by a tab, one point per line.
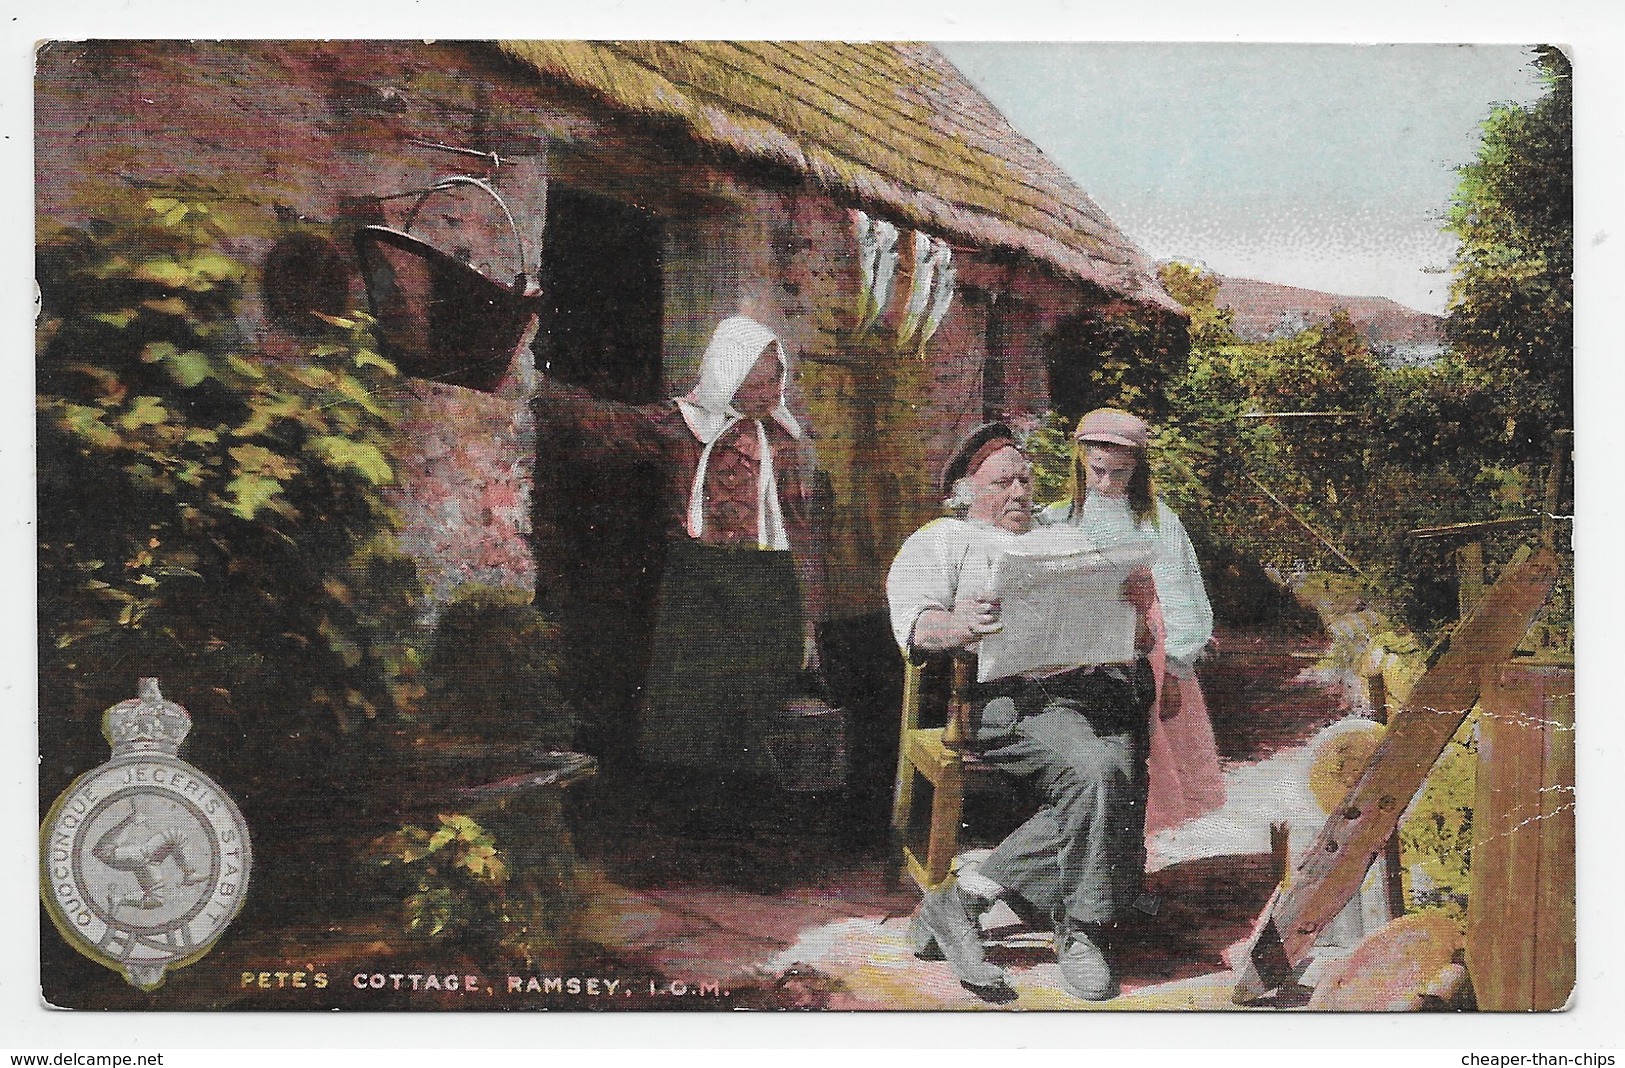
1324	166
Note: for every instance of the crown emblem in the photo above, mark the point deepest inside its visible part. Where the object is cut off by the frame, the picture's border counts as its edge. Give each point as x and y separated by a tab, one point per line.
146	724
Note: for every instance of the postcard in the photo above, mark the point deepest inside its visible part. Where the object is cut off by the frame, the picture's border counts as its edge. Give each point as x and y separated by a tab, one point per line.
498	504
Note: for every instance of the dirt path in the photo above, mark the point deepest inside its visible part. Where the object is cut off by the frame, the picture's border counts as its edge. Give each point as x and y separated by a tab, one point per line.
774	902
837	938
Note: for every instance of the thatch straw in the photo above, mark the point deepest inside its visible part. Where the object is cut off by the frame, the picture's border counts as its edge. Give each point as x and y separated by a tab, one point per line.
893	128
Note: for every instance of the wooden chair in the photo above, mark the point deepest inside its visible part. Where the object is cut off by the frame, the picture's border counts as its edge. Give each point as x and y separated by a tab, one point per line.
936	755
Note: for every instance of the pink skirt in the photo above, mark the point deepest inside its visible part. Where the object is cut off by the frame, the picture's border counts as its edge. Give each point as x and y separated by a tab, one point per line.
1183	761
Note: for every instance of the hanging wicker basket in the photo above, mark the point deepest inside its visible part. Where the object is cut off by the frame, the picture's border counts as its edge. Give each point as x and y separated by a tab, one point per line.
439	317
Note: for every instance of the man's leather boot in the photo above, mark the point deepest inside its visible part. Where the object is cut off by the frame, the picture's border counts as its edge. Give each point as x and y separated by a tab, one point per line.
952	926
1085	972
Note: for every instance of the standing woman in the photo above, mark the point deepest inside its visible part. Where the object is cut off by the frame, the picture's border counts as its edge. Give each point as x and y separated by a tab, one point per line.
739	596
1114	502
736	612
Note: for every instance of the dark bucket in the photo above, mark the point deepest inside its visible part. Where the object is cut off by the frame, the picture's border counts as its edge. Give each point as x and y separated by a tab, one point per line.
438	317
807	745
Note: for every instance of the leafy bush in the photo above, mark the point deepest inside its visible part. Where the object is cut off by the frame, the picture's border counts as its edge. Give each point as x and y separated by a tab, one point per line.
463	889
493	671
1436	835
1116	355
1390	449
1242	593
456	872
208	516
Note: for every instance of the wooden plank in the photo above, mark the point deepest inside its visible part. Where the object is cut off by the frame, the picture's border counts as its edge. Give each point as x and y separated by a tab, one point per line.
1505	872
1555	906
1393	877
1520	933
1353	836
1489	879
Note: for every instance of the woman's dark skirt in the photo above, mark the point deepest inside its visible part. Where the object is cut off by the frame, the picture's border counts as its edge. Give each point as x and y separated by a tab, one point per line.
727	648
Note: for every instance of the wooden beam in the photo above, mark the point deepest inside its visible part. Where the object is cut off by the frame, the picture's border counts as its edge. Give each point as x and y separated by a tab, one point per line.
1520	946
1554	491
1393	875
1469	576
1354	835
1468	530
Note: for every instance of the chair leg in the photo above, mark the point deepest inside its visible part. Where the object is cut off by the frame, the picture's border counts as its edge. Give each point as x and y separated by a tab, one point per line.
903	791
903	795
947	804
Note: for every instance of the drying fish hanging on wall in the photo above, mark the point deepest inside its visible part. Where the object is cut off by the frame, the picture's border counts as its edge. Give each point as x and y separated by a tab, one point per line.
931	290
877	265
931	280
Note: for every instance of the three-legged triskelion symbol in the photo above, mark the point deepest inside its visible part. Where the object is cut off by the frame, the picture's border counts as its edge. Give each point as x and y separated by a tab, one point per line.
133	845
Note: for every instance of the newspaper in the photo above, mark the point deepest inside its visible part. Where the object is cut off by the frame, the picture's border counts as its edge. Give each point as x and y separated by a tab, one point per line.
1060	604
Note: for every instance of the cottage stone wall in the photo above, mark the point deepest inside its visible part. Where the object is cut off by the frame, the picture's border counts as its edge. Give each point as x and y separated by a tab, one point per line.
278	137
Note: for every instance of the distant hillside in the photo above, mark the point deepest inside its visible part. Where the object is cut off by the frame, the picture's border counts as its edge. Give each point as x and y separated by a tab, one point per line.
1267	309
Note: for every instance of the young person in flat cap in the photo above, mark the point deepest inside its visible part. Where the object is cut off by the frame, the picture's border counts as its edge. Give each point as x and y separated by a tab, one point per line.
1078	734
1113	501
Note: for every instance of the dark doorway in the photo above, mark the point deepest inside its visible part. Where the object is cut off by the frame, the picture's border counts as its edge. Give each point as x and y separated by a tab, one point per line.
599	512
601	270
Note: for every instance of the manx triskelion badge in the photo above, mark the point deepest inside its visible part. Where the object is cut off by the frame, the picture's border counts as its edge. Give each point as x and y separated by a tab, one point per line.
144	860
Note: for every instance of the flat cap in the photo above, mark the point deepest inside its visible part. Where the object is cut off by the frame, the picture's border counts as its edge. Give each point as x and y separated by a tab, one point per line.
1113	426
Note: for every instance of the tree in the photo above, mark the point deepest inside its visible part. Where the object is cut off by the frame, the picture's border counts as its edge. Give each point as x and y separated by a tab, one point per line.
1117	356
1389	450
1512	302
1198	290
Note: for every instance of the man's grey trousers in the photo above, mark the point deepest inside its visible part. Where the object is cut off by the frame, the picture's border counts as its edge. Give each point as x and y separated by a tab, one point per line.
1080	739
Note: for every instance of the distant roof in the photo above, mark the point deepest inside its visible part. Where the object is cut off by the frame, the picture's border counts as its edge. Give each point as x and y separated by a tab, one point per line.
890	127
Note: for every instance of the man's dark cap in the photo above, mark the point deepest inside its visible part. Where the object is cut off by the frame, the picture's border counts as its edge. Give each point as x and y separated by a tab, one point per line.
975	447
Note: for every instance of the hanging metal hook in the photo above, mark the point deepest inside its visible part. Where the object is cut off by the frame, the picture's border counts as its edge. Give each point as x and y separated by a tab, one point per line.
496	160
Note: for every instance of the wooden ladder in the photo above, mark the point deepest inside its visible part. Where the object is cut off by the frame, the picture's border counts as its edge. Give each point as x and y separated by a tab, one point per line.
1357	832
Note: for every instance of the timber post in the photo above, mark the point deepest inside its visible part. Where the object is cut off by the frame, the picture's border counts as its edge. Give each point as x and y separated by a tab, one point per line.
1520	902
1357	831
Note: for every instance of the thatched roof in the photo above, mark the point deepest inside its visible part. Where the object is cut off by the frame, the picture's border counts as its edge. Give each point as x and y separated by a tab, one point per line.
893	128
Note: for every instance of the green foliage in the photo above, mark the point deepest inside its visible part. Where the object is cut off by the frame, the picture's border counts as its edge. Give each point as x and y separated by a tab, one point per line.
456	871
208	516
1049	447
1436	835
1116	356
1388	450
1211	327
1512	302
493	670
461	888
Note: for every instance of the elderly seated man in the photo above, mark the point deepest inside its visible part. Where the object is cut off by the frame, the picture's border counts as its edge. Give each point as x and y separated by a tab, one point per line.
1078	734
